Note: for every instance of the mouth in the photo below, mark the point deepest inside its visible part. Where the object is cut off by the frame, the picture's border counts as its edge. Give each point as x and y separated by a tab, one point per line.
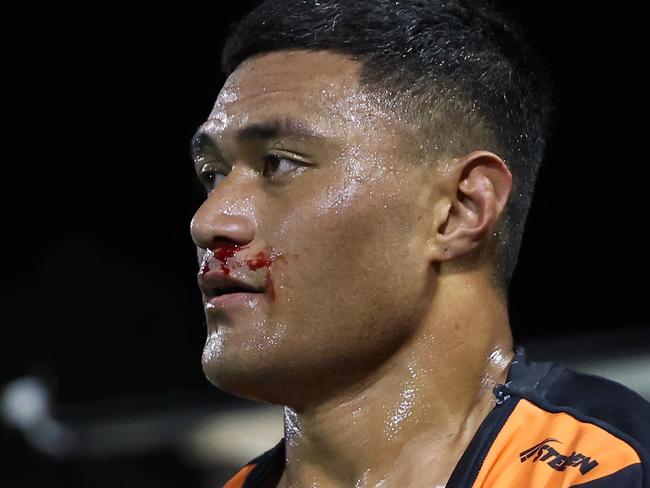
232	298
228	291
221	290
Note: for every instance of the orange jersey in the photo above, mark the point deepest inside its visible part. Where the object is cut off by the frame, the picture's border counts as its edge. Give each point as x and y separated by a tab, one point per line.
552	427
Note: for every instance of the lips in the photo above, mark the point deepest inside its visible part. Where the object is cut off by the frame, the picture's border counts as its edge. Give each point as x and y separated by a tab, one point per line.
215	283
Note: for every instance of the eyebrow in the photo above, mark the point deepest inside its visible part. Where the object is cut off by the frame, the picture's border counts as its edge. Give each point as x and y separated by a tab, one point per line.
273	128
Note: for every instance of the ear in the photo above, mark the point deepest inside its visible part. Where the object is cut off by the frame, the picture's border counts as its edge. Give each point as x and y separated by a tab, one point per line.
474	190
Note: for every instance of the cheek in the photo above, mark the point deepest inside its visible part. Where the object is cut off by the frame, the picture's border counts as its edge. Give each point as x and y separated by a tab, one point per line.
348	245
323	221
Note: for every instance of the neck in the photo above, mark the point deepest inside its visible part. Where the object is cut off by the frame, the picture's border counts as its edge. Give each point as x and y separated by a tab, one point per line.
410	422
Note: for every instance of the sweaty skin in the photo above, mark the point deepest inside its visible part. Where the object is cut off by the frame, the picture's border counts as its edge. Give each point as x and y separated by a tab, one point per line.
382	349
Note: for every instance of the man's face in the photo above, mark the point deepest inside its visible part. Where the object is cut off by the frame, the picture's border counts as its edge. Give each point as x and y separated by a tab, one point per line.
333	227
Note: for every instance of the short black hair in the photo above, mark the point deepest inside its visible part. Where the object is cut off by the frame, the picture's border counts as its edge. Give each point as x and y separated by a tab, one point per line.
462	71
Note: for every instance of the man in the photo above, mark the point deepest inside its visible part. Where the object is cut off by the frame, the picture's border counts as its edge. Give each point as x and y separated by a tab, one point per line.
369	165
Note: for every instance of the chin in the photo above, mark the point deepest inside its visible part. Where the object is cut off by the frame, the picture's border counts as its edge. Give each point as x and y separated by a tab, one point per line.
252	382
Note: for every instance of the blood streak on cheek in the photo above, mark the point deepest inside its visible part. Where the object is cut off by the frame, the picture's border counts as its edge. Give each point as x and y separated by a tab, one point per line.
260	260
269	286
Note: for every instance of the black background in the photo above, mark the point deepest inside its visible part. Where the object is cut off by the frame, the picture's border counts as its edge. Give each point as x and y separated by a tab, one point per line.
99	271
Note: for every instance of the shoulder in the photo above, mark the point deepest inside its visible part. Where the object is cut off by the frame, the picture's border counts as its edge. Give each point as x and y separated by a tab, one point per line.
600	401
588	430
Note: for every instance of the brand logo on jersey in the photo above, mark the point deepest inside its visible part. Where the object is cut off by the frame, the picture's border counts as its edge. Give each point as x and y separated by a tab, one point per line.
559	462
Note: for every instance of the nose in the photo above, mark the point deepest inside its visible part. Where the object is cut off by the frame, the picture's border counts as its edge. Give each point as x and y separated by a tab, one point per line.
225	216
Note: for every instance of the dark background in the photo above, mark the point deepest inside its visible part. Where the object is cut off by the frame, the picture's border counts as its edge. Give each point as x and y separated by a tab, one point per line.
99	290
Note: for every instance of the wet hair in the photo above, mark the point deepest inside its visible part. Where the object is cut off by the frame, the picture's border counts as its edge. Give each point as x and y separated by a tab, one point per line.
461	71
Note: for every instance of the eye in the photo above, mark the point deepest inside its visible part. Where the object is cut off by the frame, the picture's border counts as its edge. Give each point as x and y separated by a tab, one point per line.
210	178
277	165
274	166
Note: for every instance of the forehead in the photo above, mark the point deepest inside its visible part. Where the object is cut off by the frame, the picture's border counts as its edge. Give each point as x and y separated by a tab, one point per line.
318	87
312	73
